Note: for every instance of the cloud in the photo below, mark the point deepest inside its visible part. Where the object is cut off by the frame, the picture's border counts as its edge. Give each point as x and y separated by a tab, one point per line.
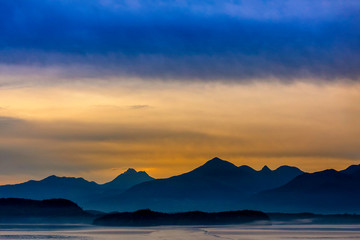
6	122
135	107
72	132
187	40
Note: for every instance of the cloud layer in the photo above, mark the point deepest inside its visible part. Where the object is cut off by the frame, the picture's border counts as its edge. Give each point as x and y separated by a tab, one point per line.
87	132
206	40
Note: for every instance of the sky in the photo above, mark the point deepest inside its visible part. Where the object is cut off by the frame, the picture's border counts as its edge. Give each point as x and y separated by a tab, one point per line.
91	88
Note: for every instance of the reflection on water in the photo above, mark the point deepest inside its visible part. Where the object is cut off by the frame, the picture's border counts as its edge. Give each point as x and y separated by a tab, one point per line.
239	232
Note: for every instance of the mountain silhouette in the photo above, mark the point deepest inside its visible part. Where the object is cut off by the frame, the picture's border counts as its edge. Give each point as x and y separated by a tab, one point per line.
216	166
328	191
16	210
78	190
71	188
147	217
128	179
353	170
243	179
217	185
265	169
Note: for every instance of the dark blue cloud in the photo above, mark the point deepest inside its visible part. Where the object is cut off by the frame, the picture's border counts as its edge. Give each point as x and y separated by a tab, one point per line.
185	39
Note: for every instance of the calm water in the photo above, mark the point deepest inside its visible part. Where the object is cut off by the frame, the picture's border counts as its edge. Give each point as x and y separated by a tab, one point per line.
84	232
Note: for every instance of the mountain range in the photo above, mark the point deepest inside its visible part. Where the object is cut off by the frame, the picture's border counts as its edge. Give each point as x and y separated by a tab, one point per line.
78	190
327	191
217	185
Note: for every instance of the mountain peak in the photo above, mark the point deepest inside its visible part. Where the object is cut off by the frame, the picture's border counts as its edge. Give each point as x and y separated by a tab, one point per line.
130	171
265	169
217	162
51	177
128	179
215	166
288	170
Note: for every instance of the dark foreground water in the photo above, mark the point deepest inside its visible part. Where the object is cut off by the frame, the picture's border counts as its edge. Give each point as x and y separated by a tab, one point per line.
240	232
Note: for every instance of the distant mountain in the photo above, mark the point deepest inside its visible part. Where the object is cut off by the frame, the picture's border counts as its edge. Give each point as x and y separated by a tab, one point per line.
217	185
15	210
75	189
353	170
78	190
242	179
327	191
128	179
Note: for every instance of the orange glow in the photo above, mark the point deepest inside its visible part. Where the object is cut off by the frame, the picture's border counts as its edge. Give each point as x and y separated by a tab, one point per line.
167	128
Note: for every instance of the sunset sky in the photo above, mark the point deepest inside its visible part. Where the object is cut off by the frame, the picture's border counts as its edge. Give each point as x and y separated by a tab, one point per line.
91	88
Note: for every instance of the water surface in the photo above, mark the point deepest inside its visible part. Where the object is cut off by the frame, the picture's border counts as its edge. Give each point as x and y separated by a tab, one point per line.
239	232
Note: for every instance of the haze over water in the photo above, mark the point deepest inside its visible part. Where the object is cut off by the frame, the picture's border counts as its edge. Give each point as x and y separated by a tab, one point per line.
285	232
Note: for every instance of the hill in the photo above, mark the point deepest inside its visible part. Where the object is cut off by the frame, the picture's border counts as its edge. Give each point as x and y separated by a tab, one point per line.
150	218
16	210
